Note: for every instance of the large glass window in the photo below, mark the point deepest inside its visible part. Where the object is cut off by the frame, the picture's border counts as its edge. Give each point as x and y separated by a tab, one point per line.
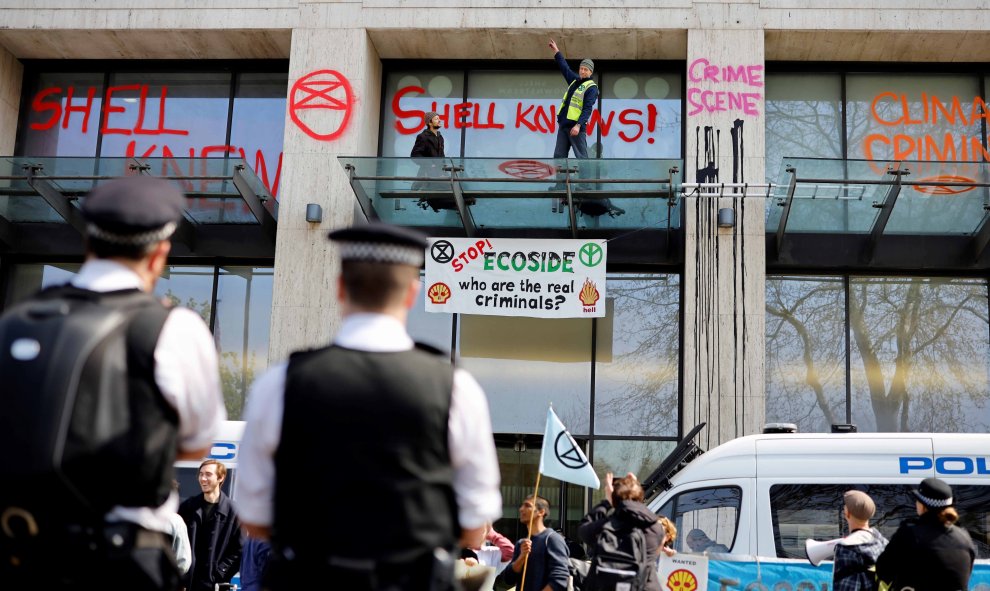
806	352
409	95
241	326
524	113
240	317
637	358
918	353
804	119
640	115
158	114
513	113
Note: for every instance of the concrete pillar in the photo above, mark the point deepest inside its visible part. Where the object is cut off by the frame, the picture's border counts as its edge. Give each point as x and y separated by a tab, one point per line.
335	75
11	74
724	277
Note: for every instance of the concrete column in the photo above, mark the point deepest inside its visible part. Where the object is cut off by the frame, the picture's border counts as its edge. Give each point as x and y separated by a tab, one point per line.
11	74
724	269
335	77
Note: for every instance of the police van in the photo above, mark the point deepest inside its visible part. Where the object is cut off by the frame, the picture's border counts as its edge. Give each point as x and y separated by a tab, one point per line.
766	494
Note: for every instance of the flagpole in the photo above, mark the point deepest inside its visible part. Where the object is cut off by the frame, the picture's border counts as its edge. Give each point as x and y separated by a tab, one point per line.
529	532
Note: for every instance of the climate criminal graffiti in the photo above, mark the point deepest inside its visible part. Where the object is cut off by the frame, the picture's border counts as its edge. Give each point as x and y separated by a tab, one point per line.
143	117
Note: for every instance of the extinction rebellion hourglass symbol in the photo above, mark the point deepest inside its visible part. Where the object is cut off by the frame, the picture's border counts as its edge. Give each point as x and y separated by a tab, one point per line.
328	96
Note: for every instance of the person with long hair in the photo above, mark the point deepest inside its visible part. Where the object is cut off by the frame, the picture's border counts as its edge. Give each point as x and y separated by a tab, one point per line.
930	553
623	505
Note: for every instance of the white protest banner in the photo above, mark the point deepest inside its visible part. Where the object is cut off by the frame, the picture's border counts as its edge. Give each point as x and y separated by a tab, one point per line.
684	572
516	277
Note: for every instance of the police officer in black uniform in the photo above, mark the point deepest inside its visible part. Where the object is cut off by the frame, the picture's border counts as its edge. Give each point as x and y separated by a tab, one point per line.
931	553
367	461
103	389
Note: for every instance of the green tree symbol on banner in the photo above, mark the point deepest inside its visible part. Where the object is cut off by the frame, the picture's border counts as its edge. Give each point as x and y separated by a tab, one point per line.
590	254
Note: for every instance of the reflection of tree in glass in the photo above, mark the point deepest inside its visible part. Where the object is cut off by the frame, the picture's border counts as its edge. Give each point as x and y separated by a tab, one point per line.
637	392
918	353
235	379
235	375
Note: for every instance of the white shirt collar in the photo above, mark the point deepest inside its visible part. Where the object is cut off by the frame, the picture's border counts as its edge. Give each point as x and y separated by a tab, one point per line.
106	275
373	332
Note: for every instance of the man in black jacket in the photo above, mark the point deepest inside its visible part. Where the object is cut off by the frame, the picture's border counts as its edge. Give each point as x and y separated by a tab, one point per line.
429	143
214	531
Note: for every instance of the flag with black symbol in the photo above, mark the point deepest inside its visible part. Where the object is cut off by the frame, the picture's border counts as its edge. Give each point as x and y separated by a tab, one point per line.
562	457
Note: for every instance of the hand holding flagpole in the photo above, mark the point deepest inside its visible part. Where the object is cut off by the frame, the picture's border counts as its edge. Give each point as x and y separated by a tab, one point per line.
561	458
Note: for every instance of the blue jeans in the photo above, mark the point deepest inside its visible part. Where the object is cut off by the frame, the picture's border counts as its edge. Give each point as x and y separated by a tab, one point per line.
565	141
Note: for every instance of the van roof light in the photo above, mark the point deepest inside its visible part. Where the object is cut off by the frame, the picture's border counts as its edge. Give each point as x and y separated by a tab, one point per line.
780	428
844	428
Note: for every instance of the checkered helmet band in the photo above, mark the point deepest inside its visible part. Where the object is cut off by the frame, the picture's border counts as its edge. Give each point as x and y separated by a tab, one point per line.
378	252
139	239
933	503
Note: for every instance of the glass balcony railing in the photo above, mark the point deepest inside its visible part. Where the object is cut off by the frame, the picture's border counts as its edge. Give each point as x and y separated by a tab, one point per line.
218	190
518	194
831	196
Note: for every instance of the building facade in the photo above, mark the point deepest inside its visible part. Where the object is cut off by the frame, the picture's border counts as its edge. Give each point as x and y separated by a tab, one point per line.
840	293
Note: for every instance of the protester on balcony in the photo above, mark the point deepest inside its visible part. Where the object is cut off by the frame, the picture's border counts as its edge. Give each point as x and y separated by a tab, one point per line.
576	107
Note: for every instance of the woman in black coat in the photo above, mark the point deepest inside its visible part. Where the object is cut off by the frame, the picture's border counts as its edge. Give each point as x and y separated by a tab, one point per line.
626	496
930	553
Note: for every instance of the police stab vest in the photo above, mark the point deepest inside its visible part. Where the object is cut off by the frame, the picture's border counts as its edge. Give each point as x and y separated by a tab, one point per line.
576	103
84	424
363	467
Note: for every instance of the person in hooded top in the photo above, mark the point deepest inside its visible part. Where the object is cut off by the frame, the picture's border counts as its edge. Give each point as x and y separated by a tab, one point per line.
856	554
624	502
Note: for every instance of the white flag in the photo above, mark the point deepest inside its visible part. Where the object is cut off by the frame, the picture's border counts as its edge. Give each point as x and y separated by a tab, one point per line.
562	457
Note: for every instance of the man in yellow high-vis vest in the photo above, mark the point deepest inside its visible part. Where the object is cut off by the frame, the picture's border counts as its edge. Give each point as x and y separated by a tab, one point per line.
575	109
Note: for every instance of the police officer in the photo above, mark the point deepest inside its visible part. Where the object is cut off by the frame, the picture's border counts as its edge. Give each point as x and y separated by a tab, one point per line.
367	460
96	515
931	553
576	107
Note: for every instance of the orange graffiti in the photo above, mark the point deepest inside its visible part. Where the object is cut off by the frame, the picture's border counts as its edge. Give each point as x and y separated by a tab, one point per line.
944	189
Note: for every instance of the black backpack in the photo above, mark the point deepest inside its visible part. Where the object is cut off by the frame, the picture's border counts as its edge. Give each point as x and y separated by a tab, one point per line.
620	562
83	424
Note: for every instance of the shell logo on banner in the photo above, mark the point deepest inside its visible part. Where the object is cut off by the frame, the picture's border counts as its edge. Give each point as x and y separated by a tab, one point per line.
516	277
684	572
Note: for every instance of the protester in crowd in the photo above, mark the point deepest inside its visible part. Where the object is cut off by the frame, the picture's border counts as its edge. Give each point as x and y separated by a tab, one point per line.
214	530
856	554
97	422
930	553
405	440
623	507
543	554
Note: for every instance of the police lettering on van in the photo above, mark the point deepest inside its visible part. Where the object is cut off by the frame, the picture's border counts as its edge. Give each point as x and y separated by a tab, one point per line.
946	465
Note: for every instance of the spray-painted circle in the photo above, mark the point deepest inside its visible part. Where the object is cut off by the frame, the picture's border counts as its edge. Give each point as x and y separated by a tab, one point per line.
327	101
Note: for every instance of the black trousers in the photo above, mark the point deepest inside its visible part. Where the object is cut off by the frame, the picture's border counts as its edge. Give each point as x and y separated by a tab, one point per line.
115	557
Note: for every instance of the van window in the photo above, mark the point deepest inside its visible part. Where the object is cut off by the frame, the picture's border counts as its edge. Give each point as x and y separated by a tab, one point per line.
802	511
706	518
